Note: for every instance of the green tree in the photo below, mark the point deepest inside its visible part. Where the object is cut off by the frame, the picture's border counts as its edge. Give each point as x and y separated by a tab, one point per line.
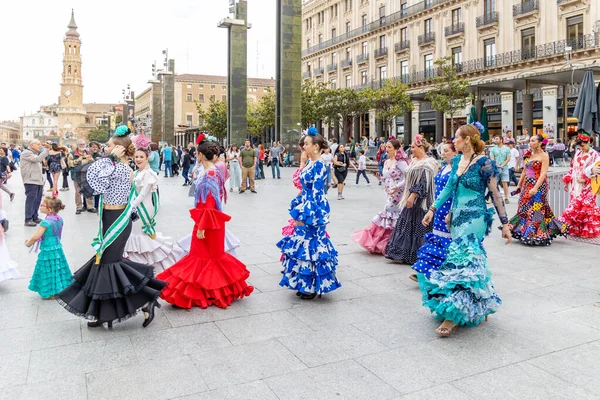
99	134
451	93
261	114
118	119
311	95
214	118
389	101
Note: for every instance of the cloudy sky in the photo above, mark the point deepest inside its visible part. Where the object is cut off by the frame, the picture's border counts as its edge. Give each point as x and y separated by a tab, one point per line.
120	40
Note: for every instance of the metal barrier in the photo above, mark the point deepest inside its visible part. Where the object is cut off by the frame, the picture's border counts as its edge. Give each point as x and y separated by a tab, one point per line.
558	197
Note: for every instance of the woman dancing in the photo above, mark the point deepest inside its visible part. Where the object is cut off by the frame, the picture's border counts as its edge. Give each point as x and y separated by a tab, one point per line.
308	257
582	216
54	166
109	288
418	195
145	245
207	275
375	238
433	253
534	223
461	292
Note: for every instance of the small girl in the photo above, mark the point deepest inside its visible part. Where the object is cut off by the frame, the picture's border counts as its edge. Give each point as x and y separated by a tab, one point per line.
51	274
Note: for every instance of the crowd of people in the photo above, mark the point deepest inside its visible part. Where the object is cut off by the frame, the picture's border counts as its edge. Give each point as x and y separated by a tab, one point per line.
435	218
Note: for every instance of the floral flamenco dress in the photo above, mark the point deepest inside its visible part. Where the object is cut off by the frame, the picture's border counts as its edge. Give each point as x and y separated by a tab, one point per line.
582	216
433	253
308	256
51	274
207	275
461	289
377	235
534	223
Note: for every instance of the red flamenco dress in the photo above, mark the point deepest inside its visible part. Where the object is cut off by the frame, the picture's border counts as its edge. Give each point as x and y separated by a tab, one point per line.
207	275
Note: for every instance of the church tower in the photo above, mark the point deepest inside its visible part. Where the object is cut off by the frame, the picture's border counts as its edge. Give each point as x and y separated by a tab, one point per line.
71	114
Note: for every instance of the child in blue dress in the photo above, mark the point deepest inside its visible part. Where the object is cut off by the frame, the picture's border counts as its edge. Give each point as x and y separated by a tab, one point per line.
51	274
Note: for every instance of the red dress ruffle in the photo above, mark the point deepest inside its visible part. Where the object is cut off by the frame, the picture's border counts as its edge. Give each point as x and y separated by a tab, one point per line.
583	216
207	275
375	238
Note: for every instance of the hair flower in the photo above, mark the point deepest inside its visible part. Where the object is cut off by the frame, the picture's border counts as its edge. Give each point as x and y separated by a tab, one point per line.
312	131
479	126
122	130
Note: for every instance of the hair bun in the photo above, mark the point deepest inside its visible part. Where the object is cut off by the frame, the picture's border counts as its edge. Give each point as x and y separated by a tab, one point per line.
131	149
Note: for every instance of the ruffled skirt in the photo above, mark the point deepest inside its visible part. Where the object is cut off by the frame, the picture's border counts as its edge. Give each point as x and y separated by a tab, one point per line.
374	239
461	290
309	261
8	267
582	216
160	252
51	274
408	236
202	282
433	253
231	242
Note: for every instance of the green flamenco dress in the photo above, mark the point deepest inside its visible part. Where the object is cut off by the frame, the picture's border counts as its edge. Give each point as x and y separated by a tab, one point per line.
461	290
51	274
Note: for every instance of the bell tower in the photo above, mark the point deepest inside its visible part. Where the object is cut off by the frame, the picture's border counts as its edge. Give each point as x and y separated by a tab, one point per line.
71	113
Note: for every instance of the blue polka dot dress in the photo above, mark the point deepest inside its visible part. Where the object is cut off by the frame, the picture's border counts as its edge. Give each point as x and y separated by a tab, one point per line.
433	253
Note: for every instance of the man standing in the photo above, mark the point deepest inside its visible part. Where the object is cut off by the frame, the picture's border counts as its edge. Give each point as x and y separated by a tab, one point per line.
249	158
167	156
77	159
31	173
274	156
501	154
512	164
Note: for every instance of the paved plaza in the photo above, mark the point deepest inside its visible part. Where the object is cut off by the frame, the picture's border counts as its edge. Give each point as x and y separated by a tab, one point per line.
371	339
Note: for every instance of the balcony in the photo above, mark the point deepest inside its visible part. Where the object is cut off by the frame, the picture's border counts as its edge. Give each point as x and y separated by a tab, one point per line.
564	3
381	52
402	46
426	38
306	75
454	30
527	8
318	71
362	58
488	19
332	67
346	63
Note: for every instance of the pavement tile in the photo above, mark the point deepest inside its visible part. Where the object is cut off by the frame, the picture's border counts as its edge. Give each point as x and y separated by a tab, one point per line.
445	391
15	285
18	317
392	305
20	299
245	363
70	387
13	369
585	315
260	327
37	337
269	283
324	314
261	303
198	315
130	327
50	312
174	377
346	273
341	380
386	283
525	304
569	294
257	390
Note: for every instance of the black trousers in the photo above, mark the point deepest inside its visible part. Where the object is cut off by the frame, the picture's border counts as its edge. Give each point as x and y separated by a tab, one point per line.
33	199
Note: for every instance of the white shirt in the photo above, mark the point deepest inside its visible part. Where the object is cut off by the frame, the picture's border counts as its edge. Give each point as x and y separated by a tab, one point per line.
333	148
362	162
514	154
232	154
327	159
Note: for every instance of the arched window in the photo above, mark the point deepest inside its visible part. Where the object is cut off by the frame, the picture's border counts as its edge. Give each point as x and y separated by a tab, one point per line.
69	49
69	70
74	49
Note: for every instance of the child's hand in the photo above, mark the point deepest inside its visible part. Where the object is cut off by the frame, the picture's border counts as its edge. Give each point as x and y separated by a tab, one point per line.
27	243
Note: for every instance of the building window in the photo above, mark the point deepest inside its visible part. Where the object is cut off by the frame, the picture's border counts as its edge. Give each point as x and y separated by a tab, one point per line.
428	65
575	31
457	58
382	14
320	62
427	25
528	43
69	70
189	119
348	81
489	52
223	97
456	16
348	26
320	38
333	83
189	97
364	20
404	35
212	87
348	53
201	86
489	6
382	73
224	87
363	78
333	57
382	41
308	43
347	5
365	48
403	7
333	33
201	97
404	71
213	97
189	85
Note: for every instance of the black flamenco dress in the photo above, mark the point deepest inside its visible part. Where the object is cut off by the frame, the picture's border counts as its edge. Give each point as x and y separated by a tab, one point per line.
109	288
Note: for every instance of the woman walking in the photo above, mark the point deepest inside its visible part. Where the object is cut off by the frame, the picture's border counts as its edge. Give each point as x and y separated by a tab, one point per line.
418	195
534	223
261	161
377	235
308	256
5	173
235	169
461	291
109	288
54	165
582	216
341	163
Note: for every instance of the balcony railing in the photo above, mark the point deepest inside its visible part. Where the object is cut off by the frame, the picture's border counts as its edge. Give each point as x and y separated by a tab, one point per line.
361	58
487	19
332	67
306	75
526	7
381	52
426	38
346	63
401	46
454	29
318	71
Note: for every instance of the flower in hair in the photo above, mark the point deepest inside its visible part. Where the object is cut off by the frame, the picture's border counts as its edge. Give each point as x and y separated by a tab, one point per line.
122	130
418	140
141	141
200	138
312	131
204	137
584	136
479	126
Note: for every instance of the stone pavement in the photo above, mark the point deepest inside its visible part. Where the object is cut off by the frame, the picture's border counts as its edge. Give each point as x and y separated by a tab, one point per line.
371	339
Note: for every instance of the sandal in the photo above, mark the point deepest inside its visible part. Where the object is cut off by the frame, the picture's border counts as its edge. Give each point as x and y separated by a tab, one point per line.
444	331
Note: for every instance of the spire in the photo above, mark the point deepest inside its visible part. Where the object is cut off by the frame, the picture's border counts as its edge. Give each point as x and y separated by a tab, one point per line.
72	32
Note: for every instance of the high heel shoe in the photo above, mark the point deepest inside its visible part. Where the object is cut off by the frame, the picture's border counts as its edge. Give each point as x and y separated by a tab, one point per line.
149	312
96	324
309	296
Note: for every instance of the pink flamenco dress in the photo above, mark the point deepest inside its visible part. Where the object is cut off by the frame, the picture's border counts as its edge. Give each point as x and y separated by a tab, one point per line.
582	216
207	275
376	236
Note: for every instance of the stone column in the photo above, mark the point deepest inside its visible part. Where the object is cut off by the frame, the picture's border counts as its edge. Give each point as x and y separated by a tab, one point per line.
528	112
439	126
408	126
156	132
237	88
168	134
507	113
288	72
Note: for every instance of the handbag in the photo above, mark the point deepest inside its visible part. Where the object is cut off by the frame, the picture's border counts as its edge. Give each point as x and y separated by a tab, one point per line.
596	182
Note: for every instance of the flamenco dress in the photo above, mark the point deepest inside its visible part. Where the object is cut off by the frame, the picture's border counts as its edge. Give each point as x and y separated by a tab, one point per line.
461	289
582	216
433	253
145	245
109	288
308	256
207	275
8	267
289	228
375	238
51	274
409	233
534	223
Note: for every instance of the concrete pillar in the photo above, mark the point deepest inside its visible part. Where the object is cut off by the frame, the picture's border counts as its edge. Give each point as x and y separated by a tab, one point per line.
156	133
408	126
288	72
550	114
439	126
507	113
237	77
478	107
528	112
168	134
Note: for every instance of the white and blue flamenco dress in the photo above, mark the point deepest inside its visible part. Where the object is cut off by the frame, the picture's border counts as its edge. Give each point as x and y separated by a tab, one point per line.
308	256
